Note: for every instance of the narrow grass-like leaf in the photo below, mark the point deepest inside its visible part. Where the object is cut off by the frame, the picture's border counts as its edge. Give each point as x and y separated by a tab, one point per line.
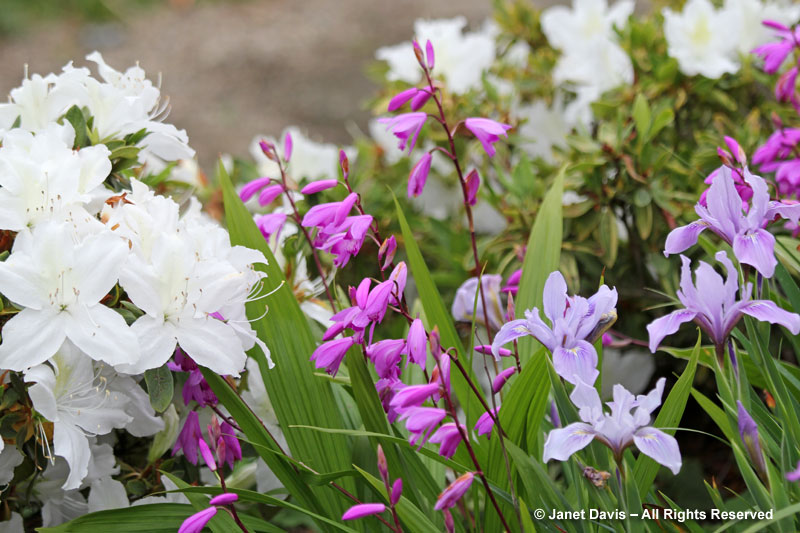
668	417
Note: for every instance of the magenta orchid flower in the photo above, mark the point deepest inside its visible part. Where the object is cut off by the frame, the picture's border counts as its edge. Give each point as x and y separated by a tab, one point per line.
406	127
487	131
363	509
448	436
485	423
775	53
419	175
188	437
712	304
575	322
329	355
617	430
421	421
196	522
450	496
752	244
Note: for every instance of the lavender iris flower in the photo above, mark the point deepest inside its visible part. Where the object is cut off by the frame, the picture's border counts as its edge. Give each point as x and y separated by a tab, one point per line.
712	304
617	430
575	323
752	244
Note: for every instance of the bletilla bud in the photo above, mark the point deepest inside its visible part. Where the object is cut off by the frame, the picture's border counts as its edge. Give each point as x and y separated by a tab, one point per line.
344	163
208	457
510	308
725	157
383	466
429	53
268	148
449	524
473	184
397	491
222	450
287	147
418	53
387	251
736	150
435	341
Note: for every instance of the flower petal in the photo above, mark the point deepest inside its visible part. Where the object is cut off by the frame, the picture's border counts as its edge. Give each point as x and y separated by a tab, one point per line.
554	297
577	363
683	237
70	443
562	443
768	311
212	344
102	334
667	325
756	248
510	331
31	338
659	446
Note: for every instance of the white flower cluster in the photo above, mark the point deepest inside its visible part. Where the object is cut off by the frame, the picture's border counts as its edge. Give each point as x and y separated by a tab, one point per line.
83	251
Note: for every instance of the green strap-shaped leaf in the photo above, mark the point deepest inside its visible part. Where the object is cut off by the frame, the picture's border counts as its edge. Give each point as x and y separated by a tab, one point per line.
670	415
296	394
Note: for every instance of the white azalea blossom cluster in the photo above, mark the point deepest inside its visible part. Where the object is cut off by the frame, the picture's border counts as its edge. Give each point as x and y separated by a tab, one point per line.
709	41
86	256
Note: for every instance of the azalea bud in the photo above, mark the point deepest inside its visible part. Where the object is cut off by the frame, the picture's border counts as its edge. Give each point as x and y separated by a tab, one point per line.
287	147
383	466
397	491
429	54
473	184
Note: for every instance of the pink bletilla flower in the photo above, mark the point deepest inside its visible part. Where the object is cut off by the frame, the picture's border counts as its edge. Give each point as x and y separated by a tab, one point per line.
406	126
363	509
196	387
576	322
386	356
226	445
794	475
287	147
421	421
398	277
196	522
775	53
512	283
617	430
397	492
712	304
487	132
448	437
253	187
450	496
188	437
401	98
225	498
387	389
431	58
329	355
485	423
413	396
416	345
270	224
473	180
752	244
268	194
419	175
205	451
785	86
319	185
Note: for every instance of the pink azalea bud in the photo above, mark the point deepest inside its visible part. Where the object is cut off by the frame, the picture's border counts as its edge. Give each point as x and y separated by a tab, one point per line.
419	175
383	466
397	491
454	492
473	184
224	499
287	146
269	194
387	251
363	509
320	185
429	54
501	378
400	99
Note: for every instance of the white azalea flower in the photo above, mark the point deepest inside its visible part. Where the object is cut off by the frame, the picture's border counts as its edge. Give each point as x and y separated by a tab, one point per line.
600	65
13	524
10	458
40	101
567	29
59	283
746	18
701	39
545	128
43	178
461	58
74	396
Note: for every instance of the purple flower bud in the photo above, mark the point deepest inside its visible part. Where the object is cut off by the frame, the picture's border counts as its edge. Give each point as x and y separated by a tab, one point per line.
473	180
221	451
205	451
748	430
397	491
363	509
400	99
417	343
383	466
362	293
512	283
486	349
418	53
196	522
736	150
320	185
454	492
287	146
554	418
421	98
419	175
269	194
224	499
487	131
449	524
413	396
268	148
485	423
253	187
429	54
501	378
785	87
435	341
387	251
344	163
608	340
398	278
